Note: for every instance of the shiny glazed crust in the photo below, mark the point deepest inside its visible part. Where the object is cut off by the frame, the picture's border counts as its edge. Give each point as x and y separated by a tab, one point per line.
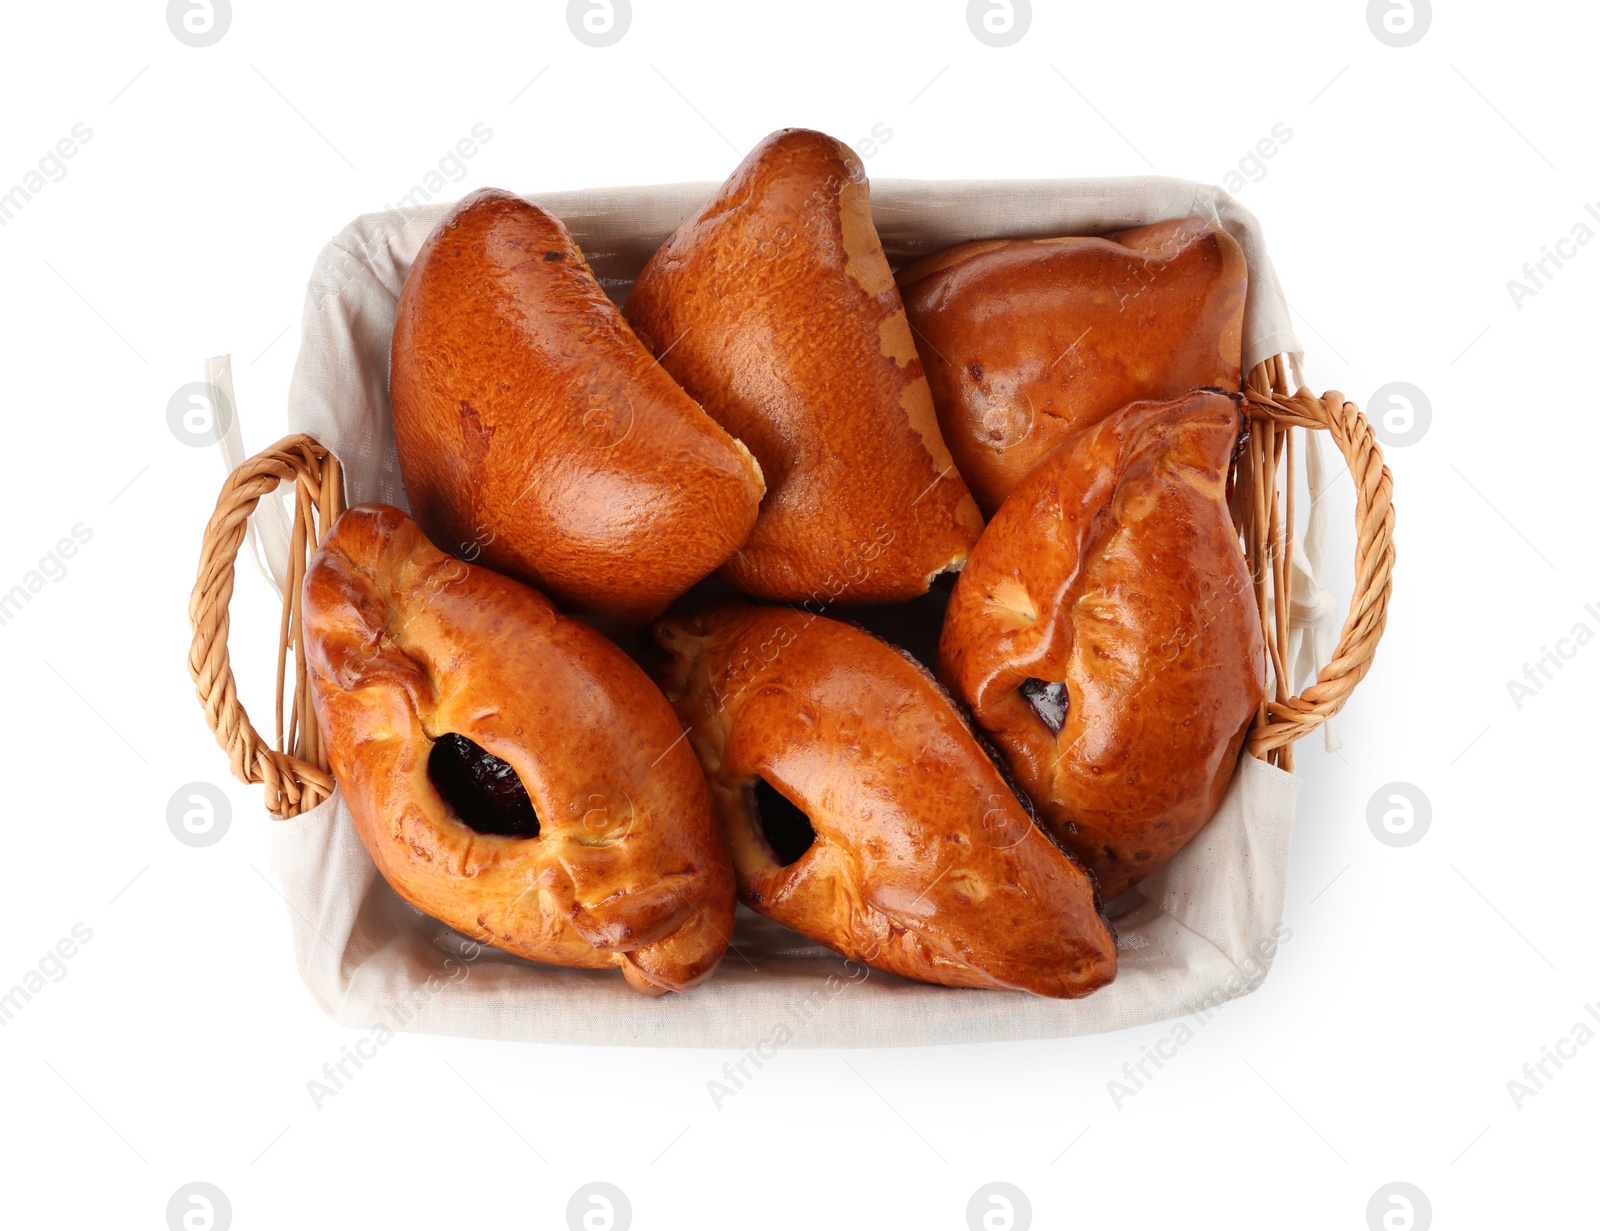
406	644
775	307
924	863
539	437
1114	568
1027	341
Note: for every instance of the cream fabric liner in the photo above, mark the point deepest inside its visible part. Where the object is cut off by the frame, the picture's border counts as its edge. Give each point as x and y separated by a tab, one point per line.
1205	929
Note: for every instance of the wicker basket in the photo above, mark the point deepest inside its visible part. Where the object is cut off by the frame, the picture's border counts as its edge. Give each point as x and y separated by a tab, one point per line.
293	768
1201	931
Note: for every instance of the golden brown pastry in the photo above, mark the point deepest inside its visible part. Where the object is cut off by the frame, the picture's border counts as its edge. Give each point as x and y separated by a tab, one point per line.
861	811
1105	633
1027	341
775	307
539	437
511	772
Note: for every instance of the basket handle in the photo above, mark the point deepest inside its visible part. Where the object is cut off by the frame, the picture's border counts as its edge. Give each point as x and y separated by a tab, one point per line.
294	772
1284	718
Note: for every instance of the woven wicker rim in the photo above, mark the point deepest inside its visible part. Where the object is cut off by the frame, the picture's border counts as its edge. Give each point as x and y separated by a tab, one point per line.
294	768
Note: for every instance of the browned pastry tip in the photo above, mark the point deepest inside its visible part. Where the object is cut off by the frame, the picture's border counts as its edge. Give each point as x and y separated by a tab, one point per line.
536	433
510	771
1027	341
775	307
1105	633
862	812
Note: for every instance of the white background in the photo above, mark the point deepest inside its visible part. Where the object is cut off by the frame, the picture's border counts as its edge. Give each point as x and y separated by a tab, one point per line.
1417	982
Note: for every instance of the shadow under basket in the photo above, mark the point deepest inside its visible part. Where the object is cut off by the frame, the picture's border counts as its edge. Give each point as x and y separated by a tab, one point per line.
1197	933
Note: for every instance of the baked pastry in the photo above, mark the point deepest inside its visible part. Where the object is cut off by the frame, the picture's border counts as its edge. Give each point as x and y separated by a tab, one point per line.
1105	633
539	437
1027	341
861	811
510	771
774	306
